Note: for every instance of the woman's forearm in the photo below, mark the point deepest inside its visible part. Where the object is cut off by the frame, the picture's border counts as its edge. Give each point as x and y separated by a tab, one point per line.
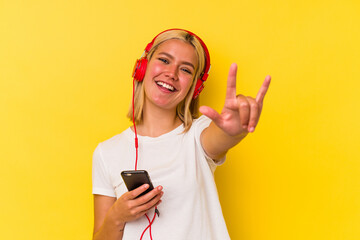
110	231
216	142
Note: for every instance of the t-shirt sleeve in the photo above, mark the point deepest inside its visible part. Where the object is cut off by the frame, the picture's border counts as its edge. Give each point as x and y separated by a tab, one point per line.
100	175
200	124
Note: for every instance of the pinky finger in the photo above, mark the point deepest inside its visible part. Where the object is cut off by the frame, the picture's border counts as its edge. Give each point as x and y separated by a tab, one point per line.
264	87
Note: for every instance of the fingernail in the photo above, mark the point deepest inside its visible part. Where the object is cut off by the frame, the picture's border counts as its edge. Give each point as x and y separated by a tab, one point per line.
146	186
251	129
245	126
159	188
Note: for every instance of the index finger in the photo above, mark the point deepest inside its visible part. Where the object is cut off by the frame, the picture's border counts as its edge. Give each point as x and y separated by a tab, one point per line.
264	87
137	191
231	82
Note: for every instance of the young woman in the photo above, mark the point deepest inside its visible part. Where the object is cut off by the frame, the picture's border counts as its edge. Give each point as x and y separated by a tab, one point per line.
179	149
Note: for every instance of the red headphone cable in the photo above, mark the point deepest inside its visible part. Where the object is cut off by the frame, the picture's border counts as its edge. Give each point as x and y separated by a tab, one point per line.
136	160
149	226
133	113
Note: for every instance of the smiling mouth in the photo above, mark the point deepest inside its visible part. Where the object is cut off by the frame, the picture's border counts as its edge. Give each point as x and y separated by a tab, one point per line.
165	85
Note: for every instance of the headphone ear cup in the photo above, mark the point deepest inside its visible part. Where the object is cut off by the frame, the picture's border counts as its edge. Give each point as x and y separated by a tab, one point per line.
198	88
140	69
200	85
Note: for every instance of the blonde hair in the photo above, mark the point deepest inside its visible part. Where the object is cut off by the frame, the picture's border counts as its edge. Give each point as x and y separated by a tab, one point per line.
188	109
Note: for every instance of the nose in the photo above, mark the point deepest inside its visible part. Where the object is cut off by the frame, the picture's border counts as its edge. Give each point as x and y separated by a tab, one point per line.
172	72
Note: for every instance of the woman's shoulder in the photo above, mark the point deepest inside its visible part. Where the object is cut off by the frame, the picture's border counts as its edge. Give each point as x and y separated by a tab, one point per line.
201	121
198	125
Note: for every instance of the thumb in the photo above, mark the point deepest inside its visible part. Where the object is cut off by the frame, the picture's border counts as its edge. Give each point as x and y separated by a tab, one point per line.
210	113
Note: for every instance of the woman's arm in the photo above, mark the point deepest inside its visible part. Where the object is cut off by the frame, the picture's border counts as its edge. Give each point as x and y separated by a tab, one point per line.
239	116
111	215
111	229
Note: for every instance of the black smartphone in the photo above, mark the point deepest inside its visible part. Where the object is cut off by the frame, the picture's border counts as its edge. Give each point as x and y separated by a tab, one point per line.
134	179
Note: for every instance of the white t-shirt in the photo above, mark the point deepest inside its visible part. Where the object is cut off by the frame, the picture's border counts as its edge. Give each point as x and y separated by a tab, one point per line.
190	207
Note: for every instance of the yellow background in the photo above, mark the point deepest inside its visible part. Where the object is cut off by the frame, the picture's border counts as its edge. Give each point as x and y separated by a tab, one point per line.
65	85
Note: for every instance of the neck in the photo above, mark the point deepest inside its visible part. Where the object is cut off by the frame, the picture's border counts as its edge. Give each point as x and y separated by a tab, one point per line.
157	121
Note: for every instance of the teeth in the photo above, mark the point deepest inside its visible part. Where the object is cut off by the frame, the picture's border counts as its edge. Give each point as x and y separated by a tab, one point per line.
167	86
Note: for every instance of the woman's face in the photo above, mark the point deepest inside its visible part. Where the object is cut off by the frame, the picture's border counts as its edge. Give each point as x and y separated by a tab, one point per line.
170	73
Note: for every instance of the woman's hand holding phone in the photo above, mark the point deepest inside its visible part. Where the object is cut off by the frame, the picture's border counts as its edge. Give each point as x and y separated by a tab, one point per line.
130	207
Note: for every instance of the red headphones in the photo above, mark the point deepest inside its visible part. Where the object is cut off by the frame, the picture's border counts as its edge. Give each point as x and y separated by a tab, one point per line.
141	64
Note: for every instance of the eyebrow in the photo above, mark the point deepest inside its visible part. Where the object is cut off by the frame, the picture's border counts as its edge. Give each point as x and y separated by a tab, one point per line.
171	57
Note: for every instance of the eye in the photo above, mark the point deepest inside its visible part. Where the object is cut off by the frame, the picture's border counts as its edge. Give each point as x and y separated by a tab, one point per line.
186	70
163	60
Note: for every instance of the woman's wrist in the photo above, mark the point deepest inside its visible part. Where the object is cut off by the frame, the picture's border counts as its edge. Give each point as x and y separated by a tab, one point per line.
114	227
120	225
114	222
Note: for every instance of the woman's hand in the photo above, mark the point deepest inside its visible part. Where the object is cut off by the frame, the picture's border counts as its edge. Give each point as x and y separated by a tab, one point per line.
128	207
111	214
240	114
